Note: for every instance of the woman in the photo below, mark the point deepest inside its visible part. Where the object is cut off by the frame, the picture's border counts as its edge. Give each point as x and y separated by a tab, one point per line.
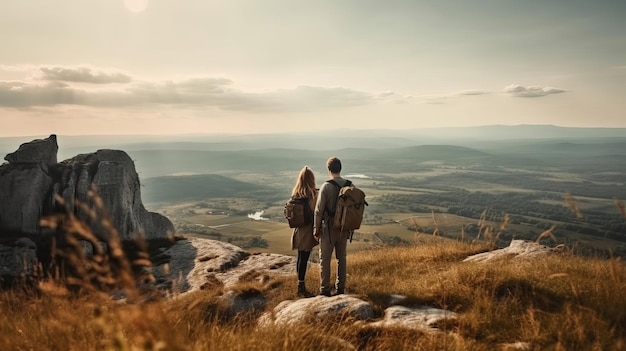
302	238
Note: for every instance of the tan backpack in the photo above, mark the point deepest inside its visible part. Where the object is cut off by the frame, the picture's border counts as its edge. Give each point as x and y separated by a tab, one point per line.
349	208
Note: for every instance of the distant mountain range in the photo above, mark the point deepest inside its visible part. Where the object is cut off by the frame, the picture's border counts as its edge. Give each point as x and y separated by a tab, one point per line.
602	149
524	132
329	140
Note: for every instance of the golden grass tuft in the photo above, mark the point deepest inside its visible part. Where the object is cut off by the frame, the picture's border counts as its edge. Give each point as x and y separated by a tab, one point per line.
436	230
620	207
573	205
107	267
548	233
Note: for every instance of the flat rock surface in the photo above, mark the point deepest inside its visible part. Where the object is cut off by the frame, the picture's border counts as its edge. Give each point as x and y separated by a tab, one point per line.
192	260
517	249
426	318
294	311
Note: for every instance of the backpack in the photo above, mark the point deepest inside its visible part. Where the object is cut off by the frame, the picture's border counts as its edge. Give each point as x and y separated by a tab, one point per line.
349	207
297	212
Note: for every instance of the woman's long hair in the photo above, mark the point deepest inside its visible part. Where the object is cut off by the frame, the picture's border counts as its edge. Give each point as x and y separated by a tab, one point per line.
305	186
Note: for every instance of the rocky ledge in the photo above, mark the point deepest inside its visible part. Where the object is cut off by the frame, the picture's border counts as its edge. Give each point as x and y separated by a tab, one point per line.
195	264
33	185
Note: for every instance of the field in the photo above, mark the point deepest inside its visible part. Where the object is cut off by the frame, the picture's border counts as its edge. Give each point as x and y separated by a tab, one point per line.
444	200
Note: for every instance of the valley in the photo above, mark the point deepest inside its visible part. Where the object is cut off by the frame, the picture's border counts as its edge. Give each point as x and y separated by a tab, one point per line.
455	192
494	183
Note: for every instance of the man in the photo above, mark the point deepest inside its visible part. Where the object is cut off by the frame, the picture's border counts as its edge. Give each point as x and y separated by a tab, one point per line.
330	238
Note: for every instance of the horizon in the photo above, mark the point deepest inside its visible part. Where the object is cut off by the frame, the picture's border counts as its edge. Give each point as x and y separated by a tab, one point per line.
269	133
144	67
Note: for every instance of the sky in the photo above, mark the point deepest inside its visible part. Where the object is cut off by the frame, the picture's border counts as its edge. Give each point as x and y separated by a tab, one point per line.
102	67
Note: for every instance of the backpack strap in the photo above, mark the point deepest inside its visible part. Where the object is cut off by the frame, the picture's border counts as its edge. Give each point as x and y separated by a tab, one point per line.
332	181
331	214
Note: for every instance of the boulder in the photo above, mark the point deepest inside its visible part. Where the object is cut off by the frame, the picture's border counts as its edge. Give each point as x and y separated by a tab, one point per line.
37	151
112	174
423	318
32	181
261	262
17	259
26	196
194	262
517	249
291	312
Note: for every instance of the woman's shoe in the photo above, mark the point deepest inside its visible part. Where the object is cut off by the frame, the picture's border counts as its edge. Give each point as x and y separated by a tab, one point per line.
302	292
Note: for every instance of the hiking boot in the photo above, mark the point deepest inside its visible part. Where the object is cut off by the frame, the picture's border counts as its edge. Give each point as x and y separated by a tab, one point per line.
302	292
338	291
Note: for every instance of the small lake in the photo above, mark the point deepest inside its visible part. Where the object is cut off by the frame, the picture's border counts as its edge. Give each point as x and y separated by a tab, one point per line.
361	176
257	216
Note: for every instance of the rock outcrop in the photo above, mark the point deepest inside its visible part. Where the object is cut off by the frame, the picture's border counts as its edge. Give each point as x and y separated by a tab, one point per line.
291	312
33	180
18	258
517	249
423	318
37	151
192	261
113	174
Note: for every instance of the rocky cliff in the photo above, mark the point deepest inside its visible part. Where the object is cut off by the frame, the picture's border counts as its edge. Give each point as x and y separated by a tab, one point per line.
32	182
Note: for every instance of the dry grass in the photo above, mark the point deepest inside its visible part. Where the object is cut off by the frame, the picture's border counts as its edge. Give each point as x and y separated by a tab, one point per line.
558	302
561	301
620	207
573	205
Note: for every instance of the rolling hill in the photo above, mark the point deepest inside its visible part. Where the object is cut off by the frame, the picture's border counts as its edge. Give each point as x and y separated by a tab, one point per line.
194	187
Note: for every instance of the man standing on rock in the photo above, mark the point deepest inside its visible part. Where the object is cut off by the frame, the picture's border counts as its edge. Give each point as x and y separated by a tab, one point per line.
330	238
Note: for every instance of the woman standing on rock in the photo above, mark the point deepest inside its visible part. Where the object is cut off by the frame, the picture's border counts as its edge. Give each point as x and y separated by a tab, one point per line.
302	237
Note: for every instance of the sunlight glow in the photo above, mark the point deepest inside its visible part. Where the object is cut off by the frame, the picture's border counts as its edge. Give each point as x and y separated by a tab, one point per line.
136	5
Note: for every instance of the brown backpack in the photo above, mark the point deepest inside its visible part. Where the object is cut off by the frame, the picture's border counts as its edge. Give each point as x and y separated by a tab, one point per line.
349	207
297	212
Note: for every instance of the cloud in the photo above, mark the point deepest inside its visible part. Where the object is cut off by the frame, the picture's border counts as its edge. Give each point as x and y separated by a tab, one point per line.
16	68
210	92
82	75
299	99
393	98
21	94
216	92
531	91
56	85
471	92
313	96
444	98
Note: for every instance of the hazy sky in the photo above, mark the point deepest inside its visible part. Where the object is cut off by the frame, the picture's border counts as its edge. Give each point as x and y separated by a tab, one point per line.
254	66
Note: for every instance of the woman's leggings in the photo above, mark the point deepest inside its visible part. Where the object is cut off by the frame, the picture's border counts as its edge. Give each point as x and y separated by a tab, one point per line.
303	260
